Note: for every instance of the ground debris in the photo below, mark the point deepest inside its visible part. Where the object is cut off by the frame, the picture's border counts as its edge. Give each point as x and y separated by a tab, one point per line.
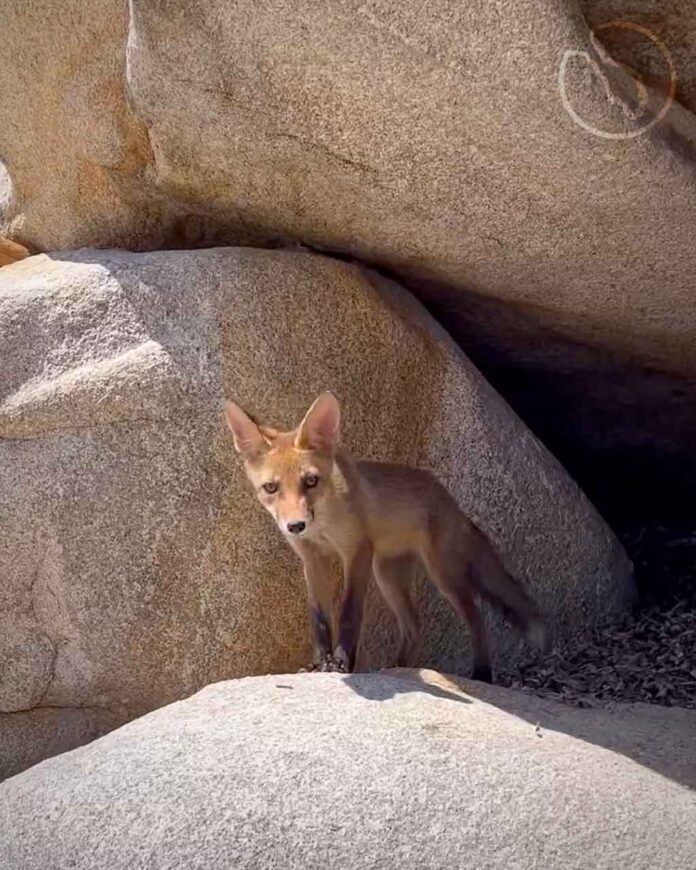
649	656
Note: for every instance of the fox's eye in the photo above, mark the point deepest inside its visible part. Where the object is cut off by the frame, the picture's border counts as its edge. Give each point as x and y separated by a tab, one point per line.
311	480
271	487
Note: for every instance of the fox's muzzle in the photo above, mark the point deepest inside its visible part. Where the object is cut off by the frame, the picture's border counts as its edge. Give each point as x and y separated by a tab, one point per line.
295	522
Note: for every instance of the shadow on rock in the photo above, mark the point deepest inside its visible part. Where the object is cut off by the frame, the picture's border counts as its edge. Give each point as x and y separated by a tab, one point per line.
365	686
660	738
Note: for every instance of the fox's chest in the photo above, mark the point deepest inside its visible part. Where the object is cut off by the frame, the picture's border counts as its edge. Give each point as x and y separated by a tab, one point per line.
339	532
325	545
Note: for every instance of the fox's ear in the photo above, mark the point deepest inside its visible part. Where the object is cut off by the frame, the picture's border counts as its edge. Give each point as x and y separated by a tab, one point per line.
247	438
269	434
320	427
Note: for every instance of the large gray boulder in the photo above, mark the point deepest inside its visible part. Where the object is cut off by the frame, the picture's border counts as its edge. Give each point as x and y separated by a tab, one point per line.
137	567
378	770
432	139
75	153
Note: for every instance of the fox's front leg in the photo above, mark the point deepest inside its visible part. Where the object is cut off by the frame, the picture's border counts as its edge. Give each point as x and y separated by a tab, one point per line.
357	570
317	572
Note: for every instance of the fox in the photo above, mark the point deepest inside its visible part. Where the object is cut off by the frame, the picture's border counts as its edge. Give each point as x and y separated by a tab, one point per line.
380	519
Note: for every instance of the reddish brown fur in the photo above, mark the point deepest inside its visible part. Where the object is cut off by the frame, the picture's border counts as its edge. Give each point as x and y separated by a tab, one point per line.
379	519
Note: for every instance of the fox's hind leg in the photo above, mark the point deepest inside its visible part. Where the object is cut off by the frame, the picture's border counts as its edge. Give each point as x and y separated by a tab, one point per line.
472	614
451	577
393	577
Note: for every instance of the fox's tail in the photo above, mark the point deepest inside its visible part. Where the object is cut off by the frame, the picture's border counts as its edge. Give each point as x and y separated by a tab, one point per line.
496	585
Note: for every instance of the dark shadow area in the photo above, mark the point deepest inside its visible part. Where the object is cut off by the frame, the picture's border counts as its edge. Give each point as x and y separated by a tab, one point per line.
623	431
365	686
660	738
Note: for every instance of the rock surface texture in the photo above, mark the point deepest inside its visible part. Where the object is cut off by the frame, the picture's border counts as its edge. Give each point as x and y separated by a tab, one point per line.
76	155
399	770
136	564
431	139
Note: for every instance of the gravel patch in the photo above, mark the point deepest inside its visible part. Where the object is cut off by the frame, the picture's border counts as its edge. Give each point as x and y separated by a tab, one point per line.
649	656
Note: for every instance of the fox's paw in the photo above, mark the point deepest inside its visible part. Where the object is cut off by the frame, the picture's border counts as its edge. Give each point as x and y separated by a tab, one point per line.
341	661
332	665
326	664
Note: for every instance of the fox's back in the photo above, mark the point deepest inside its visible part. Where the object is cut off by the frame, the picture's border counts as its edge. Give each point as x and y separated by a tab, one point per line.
400	505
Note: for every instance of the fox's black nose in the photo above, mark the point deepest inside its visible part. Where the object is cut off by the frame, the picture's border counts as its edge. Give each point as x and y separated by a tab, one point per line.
297	528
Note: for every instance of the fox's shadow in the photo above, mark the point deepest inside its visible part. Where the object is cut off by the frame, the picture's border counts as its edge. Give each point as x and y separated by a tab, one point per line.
382	690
